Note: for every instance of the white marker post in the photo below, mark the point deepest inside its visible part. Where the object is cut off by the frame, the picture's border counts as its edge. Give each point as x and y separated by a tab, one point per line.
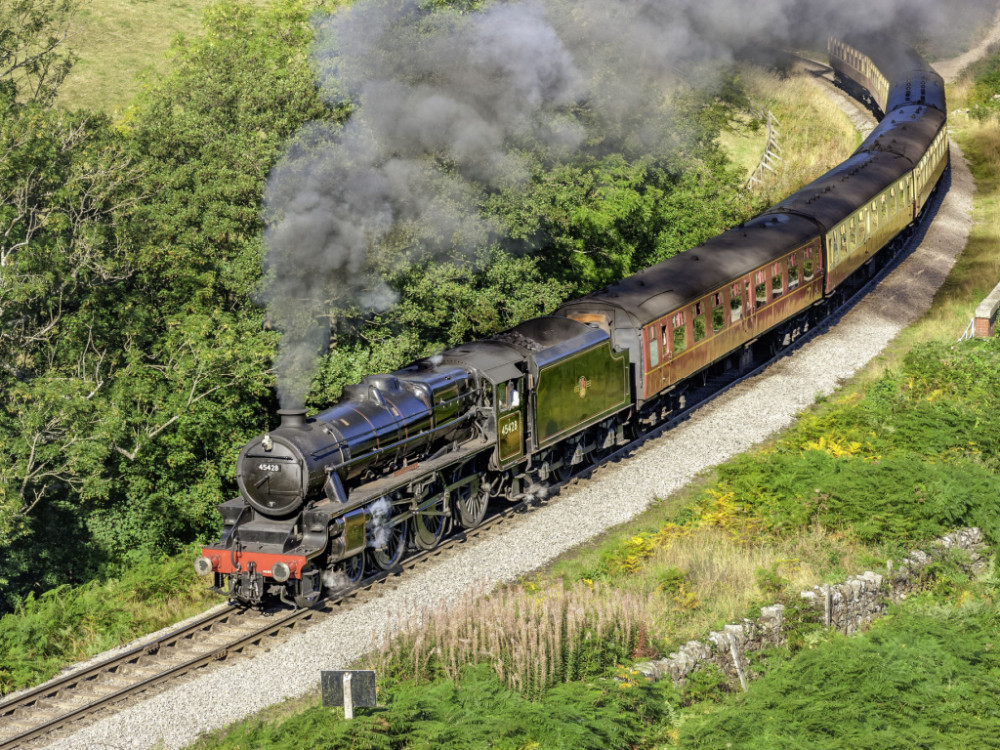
349	688
348	698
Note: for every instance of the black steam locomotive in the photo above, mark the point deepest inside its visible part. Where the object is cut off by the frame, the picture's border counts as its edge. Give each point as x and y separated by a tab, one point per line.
405	456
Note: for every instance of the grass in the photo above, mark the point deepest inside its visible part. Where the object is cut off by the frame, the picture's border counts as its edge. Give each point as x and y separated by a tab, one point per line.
923	677
533	638
815	134
122	42
701	573
71	623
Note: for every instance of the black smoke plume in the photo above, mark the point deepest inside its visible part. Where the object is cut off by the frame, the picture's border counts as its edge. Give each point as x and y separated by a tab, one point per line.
446	104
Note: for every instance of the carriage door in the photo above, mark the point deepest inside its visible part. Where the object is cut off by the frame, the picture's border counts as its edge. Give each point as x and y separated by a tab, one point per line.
510	421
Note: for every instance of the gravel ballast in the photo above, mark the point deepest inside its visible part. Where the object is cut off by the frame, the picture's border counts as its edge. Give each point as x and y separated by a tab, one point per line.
746	415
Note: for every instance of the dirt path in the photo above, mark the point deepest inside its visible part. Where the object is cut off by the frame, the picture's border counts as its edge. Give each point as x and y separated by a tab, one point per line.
950	69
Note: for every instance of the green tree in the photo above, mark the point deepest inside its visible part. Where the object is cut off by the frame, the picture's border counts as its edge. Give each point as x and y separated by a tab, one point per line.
195	379
66	182
33	57
135	360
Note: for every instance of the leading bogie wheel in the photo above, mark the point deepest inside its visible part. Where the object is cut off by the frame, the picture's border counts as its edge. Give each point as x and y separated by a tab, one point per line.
353	568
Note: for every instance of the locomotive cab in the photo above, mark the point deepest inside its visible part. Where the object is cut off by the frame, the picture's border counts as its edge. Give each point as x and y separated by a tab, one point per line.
510	409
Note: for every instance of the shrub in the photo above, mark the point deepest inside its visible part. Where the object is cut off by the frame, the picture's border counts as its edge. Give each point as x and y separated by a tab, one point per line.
532	639
67	623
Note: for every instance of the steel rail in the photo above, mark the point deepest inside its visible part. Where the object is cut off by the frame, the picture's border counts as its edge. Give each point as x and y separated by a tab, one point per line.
25	702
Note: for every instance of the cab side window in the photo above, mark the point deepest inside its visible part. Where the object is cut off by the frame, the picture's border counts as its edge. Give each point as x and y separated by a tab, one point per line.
508	396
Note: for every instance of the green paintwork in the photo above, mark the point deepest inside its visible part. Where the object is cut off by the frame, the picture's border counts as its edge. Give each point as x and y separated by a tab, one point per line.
562	407
510	434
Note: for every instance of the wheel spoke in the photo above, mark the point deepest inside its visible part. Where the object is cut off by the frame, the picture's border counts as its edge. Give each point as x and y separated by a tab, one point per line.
430	525
471	501
389	541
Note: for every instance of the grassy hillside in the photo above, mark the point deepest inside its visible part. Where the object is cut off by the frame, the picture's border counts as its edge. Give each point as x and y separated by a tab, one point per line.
814	134
119	42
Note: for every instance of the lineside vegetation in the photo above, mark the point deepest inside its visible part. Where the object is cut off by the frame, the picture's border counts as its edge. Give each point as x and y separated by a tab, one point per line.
132	350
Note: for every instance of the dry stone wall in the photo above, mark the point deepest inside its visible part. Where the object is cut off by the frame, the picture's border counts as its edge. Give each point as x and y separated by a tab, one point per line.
847	606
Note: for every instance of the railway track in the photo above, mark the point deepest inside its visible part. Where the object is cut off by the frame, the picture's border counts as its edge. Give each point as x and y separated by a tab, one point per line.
69	701
65	702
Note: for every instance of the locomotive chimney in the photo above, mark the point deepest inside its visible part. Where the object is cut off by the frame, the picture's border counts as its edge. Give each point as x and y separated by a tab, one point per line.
292	417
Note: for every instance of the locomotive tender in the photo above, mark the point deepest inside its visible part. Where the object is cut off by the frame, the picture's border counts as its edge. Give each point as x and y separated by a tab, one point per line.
404	456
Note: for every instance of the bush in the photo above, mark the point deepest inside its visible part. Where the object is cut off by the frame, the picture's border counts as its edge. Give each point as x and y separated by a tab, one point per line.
924	677
67	624
475	711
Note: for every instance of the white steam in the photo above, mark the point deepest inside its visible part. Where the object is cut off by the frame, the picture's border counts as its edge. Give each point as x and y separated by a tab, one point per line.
378	529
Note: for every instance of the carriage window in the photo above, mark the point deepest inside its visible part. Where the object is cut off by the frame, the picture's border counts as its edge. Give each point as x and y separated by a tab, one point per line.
654	353
777	283
664	342
680	334
843	242
699	321
760	289
807	264
793	271
736	302
718	313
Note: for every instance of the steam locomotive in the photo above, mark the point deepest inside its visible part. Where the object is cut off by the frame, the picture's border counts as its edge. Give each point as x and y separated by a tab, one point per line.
405	456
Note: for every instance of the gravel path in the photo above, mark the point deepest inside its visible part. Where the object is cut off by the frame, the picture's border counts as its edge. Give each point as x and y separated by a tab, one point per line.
745	416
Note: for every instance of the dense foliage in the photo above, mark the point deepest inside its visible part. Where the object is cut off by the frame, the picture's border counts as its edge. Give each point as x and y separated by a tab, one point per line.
478	711
924	677
133	351
69	623
910	459
135	358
